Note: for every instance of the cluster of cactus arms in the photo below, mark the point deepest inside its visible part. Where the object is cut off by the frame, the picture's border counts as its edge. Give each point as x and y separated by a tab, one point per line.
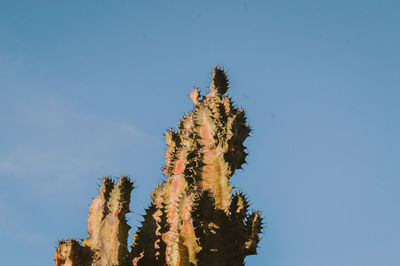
195	218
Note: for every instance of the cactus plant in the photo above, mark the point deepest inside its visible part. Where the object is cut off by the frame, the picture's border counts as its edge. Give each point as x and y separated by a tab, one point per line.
194	217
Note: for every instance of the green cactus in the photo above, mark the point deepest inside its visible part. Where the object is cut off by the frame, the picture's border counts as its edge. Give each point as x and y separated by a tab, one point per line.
194	218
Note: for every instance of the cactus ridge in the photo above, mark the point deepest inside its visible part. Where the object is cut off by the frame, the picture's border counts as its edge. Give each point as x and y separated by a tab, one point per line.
194	218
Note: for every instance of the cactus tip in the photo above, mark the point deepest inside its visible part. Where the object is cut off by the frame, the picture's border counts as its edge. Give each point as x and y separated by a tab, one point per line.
195	96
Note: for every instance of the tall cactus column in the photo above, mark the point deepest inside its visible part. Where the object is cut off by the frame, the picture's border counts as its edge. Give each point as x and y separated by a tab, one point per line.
194	217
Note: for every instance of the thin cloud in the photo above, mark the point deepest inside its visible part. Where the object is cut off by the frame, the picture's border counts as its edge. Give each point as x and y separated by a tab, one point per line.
58	147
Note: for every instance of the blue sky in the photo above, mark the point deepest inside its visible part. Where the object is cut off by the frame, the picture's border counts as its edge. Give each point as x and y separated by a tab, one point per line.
87	88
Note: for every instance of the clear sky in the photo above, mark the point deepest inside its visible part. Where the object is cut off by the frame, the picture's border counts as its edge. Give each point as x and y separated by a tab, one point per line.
87	88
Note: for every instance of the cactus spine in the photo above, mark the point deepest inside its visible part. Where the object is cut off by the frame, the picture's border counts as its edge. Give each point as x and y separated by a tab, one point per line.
194	218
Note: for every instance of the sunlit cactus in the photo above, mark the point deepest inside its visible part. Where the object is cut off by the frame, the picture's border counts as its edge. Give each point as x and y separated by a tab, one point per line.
194	217
108	229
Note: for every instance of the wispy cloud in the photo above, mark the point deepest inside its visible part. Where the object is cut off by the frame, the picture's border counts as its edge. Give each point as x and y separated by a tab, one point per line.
52	146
